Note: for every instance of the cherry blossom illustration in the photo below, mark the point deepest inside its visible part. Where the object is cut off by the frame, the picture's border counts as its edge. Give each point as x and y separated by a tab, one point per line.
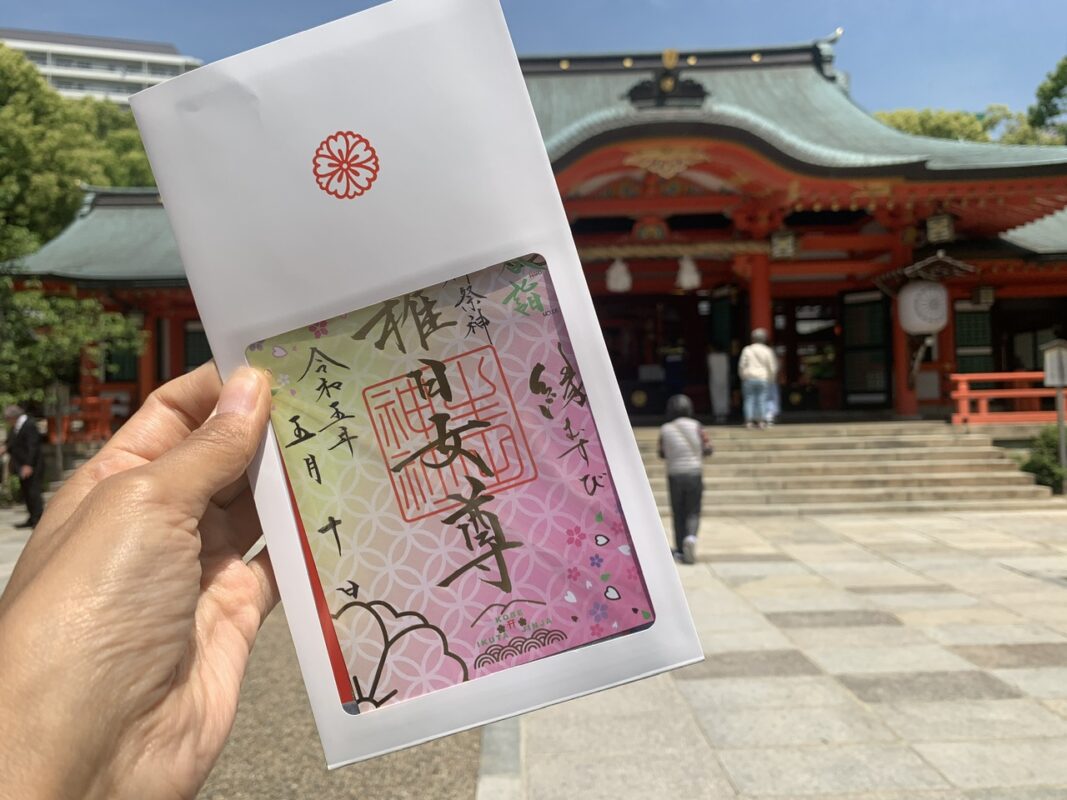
345	165
399	653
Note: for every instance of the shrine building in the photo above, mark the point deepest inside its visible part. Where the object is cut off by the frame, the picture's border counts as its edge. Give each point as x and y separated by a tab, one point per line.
712	192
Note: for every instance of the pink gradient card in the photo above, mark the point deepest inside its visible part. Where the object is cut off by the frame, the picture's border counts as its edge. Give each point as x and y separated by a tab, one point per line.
457	513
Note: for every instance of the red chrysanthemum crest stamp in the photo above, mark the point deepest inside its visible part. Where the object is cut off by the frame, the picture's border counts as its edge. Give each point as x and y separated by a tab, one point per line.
345	165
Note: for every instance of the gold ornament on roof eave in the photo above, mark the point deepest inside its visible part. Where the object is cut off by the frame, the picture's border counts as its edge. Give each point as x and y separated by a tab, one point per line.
666	162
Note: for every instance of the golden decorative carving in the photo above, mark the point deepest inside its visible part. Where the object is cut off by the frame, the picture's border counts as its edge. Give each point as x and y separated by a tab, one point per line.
667	162
670	59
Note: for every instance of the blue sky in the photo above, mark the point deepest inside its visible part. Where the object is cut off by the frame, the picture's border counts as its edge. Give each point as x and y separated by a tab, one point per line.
900	53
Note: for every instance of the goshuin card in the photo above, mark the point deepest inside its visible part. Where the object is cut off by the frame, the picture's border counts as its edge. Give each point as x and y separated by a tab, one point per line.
457	513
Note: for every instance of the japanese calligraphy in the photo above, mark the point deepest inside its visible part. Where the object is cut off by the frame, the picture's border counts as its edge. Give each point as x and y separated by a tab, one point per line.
313	468
331	527
325	388
319	360
448	443
402	412
580	442
482	529
539	387
470	301
344	437
592	482
417	308
449	481
337	416
437	385
299	432
573	390
524	297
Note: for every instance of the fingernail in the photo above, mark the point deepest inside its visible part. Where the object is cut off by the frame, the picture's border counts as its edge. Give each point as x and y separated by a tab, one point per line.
240	394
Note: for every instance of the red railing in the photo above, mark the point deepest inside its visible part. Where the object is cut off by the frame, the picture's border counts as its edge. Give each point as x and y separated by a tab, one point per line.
1022	391
88	421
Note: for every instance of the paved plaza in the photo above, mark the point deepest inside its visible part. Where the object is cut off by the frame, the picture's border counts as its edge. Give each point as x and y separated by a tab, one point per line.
912	657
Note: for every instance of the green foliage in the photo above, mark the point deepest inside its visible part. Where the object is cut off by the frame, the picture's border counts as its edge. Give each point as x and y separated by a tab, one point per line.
49	147
123	159
1014	127
960	125
43	336
996	123
1044	460
1042	124
10	489
1051	100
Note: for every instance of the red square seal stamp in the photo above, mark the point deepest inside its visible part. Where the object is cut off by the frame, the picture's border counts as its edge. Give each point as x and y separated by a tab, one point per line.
444	421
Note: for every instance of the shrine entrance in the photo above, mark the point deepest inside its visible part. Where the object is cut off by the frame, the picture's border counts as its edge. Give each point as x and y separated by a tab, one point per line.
807	340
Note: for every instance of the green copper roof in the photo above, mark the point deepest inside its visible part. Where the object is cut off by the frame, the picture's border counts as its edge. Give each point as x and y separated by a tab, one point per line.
120	235
791	99
788	100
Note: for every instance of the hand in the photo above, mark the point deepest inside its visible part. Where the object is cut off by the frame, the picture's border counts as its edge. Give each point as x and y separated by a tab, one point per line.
129	618
25	472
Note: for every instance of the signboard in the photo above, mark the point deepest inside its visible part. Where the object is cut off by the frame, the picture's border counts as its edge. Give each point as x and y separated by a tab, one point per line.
1055	363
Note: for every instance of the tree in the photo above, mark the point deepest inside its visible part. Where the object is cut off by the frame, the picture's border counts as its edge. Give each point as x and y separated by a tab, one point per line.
997	123
1051	100
49	148
123	158
43	159
43	336
935	122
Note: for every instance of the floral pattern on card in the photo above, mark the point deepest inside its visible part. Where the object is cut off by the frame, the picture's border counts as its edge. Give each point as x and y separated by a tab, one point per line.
456	508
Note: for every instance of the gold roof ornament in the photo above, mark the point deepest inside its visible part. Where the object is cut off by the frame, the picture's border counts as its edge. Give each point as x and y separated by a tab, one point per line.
670	59
666	162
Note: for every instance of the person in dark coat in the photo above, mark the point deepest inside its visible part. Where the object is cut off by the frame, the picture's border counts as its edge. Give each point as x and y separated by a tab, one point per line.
24	449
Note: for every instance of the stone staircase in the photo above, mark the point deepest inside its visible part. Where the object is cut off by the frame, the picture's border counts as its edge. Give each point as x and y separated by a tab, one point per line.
887	467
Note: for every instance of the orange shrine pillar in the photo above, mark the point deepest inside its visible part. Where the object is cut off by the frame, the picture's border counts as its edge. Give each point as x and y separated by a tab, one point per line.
760	312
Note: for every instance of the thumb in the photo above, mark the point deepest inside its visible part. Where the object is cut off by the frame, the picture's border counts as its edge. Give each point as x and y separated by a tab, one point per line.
218	452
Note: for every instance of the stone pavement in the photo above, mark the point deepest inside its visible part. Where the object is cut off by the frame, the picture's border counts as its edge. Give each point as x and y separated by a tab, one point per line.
12	540
870	658
917	657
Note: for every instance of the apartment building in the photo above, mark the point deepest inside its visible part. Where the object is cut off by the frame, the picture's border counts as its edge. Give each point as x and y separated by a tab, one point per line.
96	66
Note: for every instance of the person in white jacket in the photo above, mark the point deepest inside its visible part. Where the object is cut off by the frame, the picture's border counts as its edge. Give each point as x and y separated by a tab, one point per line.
758	370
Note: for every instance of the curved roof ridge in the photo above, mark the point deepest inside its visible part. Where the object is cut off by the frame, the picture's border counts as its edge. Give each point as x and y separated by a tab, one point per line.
612	119
796	111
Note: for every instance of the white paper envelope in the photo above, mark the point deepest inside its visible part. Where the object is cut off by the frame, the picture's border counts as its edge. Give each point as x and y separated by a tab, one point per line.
451	494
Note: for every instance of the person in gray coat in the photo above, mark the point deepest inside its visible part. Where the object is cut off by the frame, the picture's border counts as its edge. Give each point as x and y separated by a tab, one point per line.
684	445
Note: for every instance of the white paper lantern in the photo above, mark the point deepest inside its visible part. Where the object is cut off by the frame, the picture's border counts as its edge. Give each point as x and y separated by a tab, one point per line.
923	307
688	274
618	277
